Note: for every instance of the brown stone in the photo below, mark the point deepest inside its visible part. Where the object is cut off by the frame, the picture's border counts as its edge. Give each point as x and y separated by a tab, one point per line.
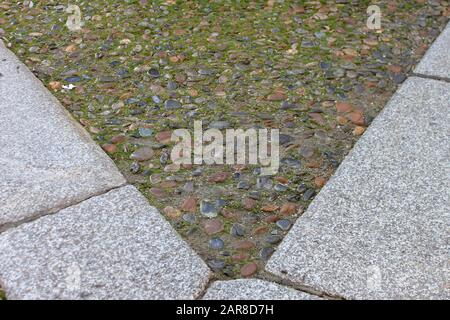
343	107
341	120
320	181
282	180
142	154
157	193
248	203
163	137
269	208
272	218
189	205
358	130
240	256
172	212
288	208
180	78
356	117
213	226
276	96
394	69
313	164
249	269
227	213
174	59
218	177
317	117
109	148
55	85
70	48
168	184
244	245
260	230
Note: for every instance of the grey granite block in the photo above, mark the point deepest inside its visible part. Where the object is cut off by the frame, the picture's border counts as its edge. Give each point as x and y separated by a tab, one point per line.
253	289
113	246
380	228
47	160
437	59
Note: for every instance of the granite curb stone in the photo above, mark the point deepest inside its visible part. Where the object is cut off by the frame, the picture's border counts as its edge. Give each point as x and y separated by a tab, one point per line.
113	246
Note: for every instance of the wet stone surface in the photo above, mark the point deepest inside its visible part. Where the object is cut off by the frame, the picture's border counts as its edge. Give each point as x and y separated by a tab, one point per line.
140	69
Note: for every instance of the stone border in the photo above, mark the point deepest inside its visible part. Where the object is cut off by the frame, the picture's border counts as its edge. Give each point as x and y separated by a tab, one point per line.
436	62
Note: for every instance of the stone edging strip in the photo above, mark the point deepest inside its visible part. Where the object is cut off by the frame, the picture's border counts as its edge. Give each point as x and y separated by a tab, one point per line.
253	289
436	62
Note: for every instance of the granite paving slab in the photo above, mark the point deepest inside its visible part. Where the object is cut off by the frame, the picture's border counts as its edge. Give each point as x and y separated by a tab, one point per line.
380	228
436	62
113	246
47	160
253	289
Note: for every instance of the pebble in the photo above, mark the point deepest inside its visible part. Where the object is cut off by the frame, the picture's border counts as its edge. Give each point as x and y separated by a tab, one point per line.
264	183
265	253
216	264
208	209
145	132
153	73
306	151
243	185
308	195
109	148
244	245
172	104
273	239
213	226
290	162
237	230
142	154
172	212
248	203
188	187
190	218
283	224
301	188
156	99
280	187
189	205
249	269
218	177
73	79
284	139
135	167
216	244
288	209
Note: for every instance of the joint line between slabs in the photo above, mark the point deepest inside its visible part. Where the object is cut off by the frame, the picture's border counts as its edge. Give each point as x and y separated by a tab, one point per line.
38	215
424	76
